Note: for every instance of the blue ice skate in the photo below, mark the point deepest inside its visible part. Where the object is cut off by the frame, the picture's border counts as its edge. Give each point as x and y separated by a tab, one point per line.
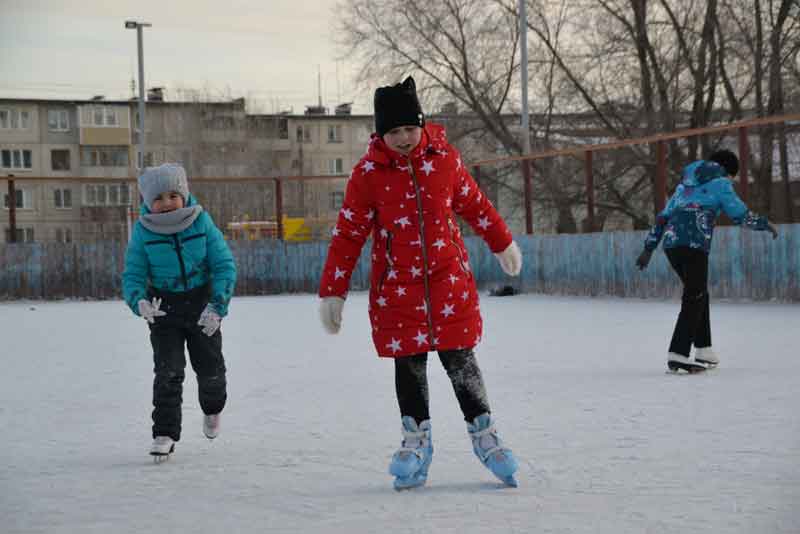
411	461
490	449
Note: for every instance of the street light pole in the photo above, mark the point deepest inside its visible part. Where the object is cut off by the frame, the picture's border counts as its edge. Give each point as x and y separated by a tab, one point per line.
525	123
139	26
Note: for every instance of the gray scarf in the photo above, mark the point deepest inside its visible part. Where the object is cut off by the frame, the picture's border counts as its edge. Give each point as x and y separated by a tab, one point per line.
171	222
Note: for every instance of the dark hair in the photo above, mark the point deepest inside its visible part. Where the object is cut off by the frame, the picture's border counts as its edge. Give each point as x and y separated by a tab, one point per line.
727	160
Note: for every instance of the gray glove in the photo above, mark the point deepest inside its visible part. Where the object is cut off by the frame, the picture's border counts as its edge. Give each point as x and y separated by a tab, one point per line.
149	310
210	320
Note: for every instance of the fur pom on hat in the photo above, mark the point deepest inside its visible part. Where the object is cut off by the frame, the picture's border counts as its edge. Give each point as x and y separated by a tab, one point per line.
397	105
167	177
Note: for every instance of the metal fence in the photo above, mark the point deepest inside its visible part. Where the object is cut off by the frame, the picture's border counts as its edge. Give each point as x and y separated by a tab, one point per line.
744	265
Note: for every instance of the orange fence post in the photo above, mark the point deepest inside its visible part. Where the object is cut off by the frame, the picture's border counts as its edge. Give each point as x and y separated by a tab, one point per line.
590	190
744	162
526	173
12	211
279	206
660	193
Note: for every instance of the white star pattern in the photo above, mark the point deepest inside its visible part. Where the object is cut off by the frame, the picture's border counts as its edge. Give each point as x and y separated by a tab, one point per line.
347	214
448	202
435	341
339	274
381	301
465	190
391	275
421	338
409	196
400	291
394	345
427	167
465	295
448	310
384	233
415	272
368	166
440	244
354	232
484	223
370	214
403	222
335	231
422	307
458	163
453	279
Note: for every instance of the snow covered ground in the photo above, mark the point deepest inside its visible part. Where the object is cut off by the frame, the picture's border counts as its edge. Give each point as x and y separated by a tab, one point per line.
608	442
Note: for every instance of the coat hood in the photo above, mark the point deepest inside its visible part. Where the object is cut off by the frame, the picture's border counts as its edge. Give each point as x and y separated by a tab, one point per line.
701	172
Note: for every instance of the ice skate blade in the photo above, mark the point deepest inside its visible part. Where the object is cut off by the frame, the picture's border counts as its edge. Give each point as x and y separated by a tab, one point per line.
407	483
692	369
510	481
160	457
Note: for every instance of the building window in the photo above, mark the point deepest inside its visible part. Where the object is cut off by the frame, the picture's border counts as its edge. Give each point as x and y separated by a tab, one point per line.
58	120
62	198
16	159
283	128
335	166
24	235
334	133
303	133
337	199
63	235
102	156
59	160
14	119
106	195
22	200
97	116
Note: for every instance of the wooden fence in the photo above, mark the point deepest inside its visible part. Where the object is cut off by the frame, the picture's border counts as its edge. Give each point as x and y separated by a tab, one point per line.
744	265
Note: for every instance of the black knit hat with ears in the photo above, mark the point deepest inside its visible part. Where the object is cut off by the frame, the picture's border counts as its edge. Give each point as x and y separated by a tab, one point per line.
397	105
727	160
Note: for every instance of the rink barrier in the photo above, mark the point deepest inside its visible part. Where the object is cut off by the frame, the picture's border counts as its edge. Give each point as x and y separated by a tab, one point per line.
744	265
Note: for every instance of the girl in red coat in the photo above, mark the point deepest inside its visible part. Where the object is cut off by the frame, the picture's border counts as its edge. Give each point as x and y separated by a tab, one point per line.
405	192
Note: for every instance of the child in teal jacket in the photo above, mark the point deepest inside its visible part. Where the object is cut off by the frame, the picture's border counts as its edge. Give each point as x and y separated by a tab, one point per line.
179	276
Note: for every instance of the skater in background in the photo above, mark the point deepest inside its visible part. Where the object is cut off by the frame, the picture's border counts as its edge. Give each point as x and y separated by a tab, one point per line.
179	276
405	192
687	226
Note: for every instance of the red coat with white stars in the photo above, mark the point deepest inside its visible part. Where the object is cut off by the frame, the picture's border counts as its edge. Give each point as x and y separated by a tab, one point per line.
422	292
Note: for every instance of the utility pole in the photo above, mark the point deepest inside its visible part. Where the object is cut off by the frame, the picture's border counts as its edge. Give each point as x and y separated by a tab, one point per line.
138	26
525	122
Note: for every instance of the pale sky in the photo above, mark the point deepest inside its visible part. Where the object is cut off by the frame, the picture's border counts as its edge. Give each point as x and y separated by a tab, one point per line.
268	51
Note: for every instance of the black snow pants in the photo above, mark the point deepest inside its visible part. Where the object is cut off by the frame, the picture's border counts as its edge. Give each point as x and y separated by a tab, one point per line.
411	384
693	326
168	336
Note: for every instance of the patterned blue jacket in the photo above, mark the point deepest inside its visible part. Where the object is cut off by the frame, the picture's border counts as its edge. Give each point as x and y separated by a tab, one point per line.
179	262
689	217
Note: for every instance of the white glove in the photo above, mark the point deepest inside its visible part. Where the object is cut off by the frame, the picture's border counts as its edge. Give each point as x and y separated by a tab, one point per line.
330	313
209	320
149	310
510	259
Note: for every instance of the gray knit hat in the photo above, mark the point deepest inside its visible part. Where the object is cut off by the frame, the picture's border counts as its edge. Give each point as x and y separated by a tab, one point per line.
167	177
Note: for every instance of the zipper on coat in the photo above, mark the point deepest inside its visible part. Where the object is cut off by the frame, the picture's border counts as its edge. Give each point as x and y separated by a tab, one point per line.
388	259
421	220
180	260
461	262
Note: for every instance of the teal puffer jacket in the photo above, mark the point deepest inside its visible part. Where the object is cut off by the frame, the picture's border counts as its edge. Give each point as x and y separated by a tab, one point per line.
179	262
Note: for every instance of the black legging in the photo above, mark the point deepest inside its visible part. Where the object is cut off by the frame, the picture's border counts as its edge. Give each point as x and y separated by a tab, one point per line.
411	383
693	326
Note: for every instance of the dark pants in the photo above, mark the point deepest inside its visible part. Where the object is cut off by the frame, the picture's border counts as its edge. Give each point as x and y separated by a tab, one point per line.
411	384
168	336
694	322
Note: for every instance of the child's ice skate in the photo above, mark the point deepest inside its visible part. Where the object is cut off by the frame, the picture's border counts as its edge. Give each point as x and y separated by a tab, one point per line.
161	448
490	449
211	425
678	362
411	461
707	356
